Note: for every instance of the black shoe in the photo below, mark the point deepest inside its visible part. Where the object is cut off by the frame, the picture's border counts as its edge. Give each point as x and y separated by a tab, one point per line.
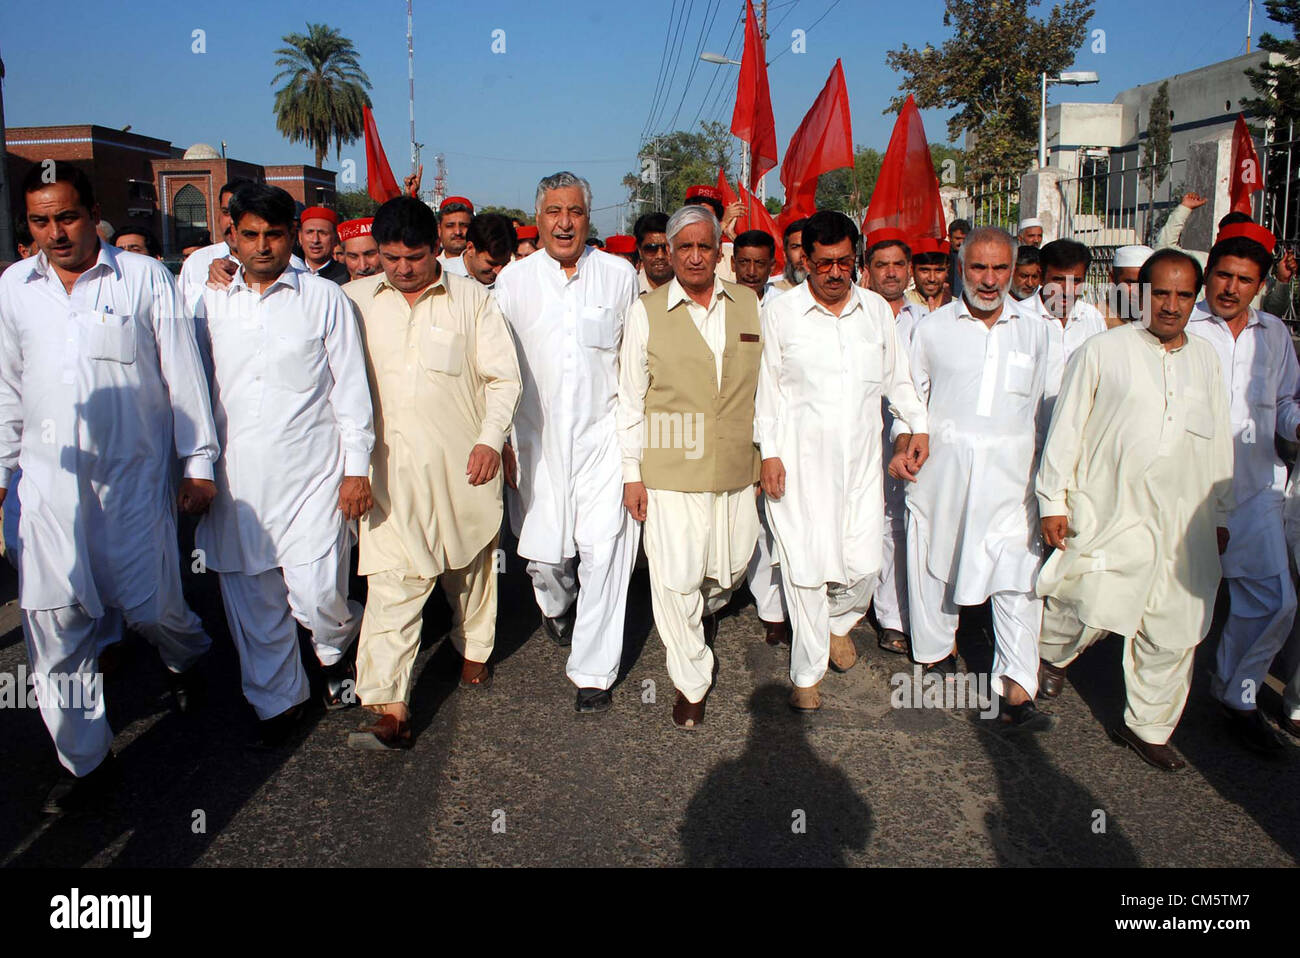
71	793
946	668
275	732
1162	757
1252	731
710	623
1024	717
593	700
340	691
188	689
561	629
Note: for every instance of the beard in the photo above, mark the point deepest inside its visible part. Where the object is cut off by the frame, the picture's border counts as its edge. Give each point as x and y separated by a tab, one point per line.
795	276
972	299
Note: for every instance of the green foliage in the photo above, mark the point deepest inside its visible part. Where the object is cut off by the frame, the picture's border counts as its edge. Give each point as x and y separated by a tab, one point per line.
1157	148
773	205
1278	85
988	72
849	189
684	159
354	204
324	90
510	211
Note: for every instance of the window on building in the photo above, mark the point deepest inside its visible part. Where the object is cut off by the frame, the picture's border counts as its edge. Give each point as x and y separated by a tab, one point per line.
191	212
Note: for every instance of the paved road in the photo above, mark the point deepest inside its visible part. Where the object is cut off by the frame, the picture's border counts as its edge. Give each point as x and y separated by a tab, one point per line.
512	776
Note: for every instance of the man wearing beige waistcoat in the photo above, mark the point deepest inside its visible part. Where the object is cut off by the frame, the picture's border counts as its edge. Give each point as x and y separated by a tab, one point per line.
687	379
444	380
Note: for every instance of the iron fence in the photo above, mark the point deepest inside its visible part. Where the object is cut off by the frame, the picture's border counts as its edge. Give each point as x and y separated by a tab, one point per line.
1112	203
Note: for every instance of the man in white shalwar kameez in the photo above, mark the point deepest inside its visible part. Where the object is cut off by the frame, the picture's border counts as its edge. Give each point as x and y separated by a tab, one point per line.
434	341
565	305
888	254
1134	488
1261	376
832	353
292	409
101	393
972	522
687	379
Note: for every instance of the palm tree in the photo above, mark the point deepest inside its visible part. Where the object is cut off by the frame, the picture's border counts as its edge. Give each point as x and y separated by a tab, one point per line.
324	92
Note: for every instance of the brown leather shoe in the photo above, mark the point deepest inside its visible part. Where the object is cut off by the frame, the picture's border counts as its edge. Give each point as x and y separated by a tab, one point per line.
844	655
1051	679
778	633
806	700
386	733
687	714
1161	756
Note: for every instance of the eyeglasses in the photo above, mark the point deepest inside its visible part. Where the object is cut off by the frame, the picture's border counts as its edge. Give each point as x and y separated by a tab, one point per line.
823	266
650	249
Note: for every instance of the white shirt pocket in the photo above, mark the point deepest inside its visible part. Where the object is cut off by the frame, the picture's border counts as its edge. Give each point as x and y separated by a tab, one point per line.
442	351
868	360
1020	373
1199	419
110	337
297	363
596	327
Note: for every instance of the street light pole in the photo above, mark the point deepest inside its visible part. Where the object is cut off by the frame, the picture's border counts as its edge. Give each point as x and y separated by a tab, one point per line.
1075	78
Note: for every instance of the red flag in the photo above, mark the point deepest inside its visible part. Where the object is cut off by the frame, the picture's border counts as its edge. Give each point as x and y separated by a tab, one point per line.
823	142
907	191
380	183
752	119
1245	169
728	194
760	219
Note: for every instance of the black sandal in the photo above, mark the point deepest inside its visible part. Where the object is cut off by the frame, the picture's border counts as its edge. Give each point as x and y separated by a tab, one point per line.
891	640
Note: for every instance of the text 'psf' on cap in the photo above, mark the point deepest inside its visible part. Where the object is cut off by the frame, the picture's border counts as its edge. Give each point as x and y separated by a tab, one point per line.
319	213
1131	257
1250	231
353	229
619	243
449	201
705	192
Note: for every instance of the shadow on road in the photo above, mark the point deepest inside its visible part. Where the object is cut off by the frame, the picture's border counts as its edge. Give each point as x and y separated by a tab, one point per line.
778	804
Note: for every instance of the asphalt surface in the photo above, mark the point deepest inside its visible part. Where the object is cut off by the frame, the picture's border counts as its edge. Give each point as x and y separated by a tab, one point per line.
511	776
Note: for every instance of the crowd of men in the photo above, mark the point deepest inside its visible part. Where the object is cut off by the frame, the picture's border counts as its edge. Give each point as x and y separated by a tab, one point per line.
906	424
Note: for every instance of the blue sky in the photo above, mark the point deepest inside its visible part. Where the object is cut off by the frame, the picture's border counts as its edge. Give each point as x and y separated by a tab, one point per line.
572	90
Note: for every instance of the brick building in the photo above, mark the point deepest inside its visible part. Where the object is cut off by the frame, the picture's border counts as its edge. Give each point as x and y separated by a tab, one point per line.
144	181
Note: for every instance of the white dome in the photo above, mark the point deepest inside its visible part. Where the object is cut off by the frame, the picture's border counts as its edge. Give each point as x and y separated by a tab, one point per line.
201	151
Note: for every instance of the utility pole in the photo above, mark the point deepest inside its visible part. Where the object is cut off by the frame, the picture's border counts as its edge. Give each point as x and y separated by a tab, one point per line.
439	181
762	41
410	74
1250	22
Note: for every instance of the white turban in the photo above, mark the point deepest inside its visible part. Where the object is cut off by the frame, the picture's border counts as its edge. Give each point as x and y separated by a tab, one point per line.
1131	257
1030	223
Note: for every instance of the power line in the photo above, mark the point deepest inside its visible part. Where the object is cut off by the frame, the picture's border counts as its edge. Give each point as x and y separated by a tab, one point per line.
706	27
663	63
528	159
726	51
834	4
678	43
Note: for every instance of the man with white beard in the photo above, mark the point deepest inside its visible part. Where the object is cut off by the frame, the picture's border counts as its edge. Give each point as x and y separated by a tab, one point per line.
972	524
565	305
831	353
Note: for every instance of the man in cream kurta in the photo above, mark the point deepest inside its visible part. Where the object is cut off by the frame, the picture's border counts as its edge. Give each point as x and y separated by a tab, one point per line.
565	305
686	428
293	414
1134	482
831	353
972	523
444	382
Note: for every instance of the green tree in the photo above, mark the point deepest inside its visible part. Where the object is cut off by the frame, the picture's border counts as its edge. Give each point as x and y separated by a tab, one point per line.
1278	84
988	72
324	90
683	159
510	211
949	164
849	189
1158	148
354	204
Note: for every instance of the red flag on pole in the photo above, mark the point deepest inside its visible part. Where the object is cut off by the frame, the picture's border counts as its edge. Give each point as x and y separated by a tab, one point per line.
906	195
823	142
752	119
1245	168
380	182
728	194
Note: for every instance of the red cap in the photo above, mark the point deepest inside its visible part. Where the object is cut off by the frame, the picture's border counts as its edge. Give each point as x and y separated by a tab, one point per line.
1250	231
319	213
620	243
354	228
525	232
928	244
708	192
890	234
456	199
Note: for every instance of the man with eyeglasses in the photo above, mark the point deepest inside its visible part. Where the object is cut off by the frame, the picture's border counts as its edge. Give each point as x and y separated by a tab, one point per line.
831	351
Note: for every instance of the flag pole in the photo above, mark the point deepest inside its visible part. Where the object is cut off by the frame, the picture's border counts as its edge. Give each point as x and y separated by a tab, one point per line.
410	73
